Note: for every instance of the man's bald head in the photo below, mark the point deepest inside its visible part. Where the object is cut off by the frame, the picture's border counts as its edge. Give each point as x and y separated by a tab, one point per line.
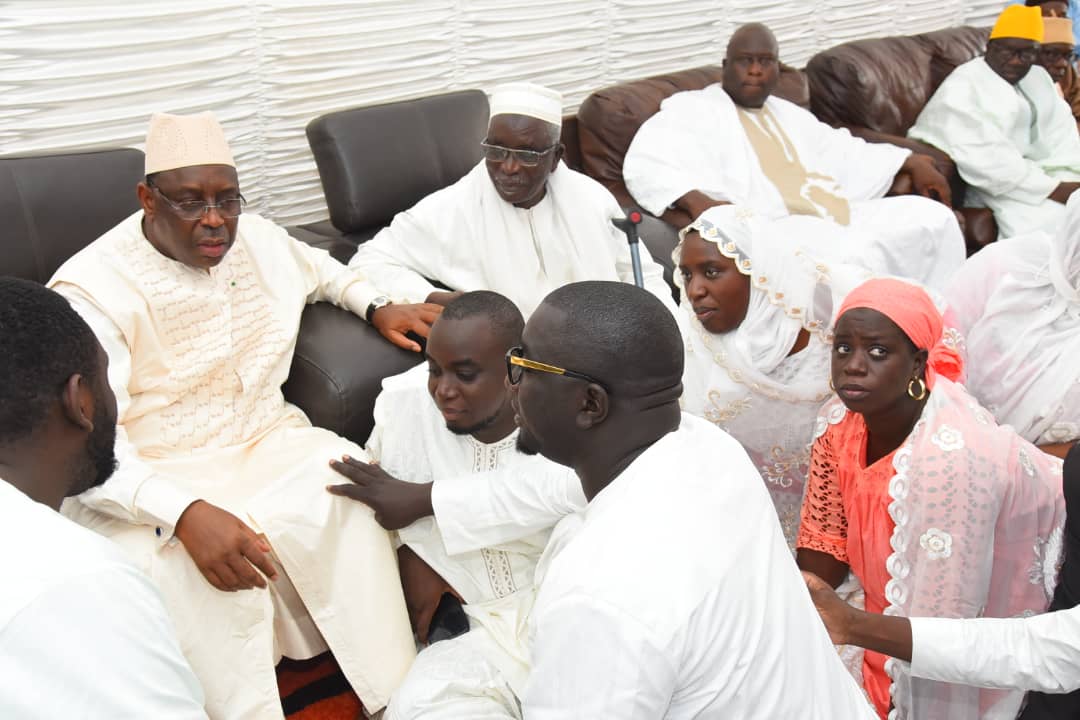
756	35
751	65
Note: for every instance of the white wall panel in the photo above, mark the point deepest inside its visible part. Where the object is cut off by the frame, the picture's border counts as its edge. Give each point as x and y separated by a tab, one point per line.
88	74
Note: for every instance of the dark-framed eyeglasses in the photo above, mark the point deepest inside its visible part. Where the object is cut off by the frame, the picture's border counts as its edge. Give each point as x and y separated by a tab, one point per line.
525	158
1027	55
1051	56
197	209
517	364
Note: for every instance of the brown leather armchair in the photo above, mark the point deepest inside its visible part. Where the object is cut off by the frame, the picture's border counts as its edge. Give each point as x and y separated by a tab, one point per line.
877	88
608	120
54	205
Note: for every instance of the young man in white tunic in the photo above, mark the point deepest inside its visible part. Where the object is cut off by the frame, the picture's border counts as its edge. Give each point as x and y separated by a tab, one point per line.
83	633
520	223
219	495
735	142
1012	136
453	441
673	594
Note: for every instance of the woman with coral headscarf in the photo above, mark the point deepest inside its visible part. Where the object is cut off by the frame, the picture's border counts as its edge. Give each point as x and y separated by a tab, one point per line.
936	509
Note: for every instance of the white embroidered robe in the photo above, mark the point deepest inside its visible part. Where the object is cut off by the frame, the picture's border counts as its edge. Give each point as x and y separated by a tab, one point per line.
197	360
478	489
468	238
1012	144
698	142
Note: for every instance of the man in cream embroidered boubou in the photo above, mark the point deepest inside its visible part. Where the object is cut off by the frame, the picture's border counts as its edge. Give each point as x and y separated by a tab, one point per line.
219	494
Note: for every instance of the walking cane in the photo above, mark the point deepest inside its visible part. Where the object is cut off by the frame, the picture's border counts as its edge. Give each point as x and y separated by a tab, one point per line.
629	225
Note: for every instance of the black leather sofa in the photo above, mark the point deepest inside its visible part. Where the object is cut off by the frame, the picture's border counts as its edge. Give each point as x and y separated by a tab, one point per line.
376	161
54	205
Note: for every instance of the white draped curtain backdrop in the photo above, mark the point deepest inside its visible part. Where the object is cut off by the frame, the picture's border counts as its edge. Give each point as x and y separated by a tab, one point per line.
89	74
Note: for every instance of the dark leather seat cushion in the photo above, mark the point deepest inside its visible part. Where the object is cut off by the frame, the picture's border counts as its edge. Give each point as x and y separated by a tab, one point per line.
376	161
884	83
338	368
54	205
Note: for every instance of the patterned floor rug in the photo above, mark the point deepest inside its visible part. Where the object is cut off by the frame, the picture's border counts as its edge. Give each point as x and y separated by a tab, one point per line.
315	689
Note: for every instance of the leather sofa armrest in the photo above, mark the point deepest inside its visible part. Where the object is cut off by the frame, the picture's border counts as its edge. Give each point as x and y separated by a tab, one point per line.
338	369
944	163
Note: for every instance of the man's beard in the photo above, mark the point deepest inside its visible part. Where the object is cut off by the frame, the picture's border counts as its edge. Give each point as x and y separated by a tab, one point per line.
99	461
475	428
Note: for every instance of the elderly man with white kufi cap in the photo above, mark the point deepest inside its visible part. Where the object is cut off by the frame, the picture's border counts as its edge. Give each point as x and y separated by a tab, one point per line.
520	223
220	493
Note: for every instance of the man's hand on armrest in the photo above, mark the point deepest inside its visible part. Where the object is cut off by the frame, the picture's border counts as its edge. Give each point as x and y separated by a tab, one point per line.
696	202
850	626
924	177
393	321
1063	191
226	551
396	503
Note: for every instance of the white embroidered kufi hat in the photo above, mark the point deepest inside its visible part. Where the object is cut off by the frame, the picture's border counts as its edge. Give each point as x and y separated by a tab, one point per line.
177	141
529	99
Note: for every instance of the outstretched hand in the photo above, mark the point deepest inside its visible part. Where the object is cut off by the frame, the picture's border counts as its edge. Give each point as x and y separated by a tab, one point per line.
396	503
226	551
834	612
394	320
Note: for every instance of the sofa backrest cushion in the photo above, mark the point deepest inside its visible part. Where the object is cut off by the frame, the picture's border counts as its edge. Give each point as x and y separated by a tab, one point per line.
609	118
54	205
376	161
883	84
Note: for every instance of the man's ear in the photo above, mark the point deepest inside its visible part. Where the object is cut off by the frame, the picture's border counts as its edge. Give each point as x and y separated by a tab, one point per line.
77	402
593	407
146	198
557	155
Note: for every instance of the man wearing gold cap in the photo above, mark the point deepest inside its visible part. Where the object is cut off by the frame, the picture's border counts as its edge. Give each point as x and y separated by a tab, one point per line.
735	142
220	493
1002	121
520	223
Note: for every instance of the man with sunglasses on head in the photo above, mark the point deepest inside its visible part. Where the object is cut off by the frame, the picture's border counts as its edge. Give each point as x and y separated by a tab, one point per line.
1002	121
520	223
219	496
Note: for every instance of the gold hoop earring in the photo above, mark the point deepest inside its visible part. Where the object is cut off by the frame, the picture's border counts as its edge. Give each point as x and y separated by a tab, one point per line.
922	389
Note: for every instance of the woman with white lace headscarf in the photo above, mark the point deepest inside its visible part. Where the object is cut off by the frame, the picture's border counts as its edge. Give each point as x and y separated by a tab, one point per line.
757	363
1018	304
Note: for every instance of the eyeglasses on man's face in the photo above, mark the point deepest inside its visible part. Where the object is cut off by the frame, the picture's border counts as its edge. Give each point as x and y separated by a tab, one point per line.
517	364
1007	54
1052	57
525	158
197	209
